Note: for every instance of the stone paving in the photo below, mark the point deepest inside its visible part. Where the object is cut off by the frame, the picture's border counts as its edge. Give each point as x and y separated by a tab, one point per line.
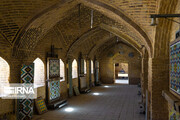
107	102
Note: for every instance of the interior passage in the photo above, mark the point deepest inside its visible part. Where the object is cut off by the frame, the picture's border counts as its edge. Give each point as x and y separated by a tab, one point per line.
107	102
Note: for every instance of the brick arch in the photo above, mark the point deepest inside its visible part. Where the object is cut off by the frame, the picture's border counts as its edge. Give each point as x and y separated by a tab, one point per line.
38	26
84	38
117	55
81	39
94	50
109	44
5	66
122	36
164	28
118	15
39	57
5	57
39	72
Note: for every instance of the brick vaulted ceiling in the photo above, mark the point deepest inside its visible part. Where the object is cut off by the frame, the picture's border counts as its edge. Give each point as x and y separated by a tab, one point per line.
113	43
139	10
14	14
24	23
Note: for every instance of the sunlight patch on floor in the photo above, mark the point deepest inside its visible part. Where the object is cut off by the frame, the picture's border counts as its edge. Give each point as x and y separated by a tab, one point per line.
122	81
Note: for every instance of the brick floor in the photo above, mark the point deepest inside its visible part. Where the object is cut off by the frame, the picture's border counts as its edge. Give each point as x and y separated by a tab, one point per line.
117	102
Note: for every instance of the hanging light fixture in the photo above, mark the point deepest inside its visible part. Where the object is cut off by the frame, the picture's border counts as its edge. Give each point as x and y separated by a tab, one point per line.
166	16
153	22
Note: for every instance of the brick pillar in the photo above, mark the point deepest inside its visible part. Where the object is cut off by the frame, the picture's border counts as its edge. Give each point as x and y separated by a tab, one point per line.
158	80
144	78
144	74
70	84
88	74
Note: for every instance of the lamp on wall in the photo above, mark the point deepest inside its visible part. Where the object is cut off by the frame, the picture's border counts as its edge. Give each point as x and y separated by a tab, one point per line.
167	16
153	22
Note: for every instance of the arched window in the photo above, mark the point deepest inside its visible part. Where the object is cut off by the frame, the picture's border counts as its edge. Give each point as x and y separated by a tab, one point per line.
84	66
74	69
4	71
39	72
92	69
62	72
4	75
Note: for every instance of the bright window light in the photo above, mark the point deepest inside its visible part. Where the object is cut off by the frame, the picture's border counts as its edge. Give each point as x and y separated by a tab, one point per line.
84	66
4	75
4	71
122	81
95	93
74	69
62	72
39	77
69	109
92	69
122	75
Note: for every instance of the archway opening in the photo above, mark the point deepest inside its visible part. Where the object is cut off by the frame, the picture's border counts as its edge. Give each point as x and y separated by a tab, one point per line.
62	70
39	73
4	76
121	73
85	67
74	69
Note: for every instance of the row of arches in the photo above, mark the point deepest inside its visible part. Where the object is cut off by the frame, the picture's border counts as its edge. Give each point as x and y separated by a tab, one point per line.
75	68
39	71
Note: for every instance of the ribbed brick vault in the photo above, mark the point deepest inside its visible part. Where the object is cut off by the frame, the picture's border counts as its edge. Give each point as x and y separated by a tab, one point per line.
29	22
29	27
24	23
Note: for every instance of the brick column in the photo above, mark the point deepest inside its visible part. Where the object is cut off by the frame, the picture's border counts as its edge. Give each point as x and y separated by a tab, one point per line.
158	80
70	84
144	77
88	74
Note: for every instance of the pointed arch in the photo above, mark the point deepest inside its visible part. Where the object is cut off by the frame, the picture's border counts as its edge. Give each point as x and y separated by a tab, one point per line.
92	69
4	71
21	41
85	69
39	72
62	70
4	74
74	69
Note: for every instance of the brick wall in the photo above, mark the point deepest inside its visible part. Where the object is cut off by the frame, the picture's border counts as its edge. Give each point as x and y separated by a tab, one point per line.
92	78
15	66
158	80
7	106
14	17
111	56
75	82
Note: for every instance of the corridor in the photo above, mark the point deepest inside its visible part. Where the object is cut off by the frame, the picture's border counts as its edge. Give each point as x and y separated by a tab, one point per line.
107	102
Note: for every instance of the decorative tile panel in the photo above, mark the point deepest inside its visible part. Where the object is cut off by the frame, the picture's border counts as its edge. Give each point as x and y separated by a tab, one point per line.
175	67
25	106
